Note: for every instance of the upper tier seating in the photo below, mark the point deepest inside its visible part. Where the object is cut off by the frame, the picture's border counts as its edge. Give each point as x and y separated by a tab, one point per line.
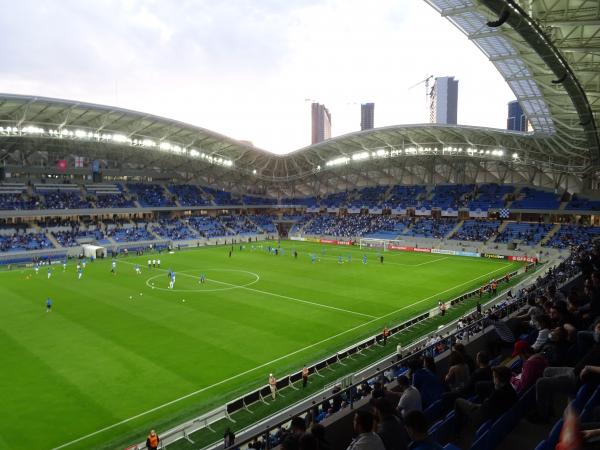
583	204
490	196
530	198
404	196
188	195
221	197
150	195
252	200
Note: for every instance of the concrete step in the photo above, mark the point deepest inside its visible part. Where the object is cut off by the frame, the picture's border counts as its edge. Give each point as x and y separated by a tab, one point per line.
551	233
455	229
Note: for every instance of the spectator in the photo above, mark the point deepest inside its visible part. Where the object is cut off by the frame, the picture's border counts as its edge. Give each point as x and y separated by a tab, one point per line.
389	428
365	439
426	382
410	399
152	441
298	426
566	379
458	373
416	427
501	399
543	325
308	442
533	366
318	431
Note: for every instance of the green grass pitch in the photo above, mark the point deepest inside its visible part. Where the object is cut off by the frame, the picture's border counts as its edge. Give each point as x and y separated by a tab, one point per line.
121	354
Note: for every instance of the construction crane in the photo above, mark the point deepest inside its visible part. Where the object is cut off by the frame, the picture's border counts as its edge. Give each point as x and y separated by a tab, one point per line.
426	81
427	91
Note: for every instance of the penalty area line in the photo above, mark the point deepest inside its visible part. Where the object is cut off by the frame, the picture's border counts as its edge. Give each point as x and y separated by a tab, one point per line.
246	372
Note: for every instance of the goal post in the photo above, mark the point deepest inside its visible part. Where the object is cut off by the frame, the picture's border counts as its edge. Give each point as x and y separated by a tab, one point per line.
379	244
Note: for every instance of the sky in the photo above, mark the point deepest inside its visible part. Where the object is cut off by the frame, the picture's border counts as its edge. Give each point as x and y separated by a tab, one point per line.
248	69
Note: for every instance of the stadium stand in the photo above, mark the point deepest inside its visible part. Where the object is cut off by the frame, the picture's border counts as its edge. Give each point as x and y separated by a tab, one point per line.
476	230
525	233
431	228
150	195
531	198
188	195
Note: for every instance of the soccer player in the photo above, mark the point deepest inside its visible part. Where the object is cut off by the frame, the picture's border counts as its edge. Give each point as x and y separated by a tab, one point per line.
83	263
79	273
149	264
78	266
113	268
172	282
36	267
158	263
49	272
340	261
64	265
364	259
48	304
154	263
349	257
313	257
381	259
137	269
202	278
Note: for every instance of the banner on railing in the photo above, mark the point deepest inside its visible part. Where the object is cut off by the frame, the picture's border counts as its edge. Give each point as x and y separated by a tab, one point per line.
375	210
442	251
334	242
333	210
422	212
399	211
450	212
478	213
530	259
297	238
493	256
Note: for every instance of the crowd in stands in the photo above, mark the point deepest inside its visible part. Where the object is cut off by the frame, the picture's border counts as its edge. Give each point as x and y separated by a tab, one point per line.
150	195
476	230
174	229
526	233
23	241
239	224
65	200
570	235
428	227
130	234
548	347
209	227
16	201
113	201
188	195
265	222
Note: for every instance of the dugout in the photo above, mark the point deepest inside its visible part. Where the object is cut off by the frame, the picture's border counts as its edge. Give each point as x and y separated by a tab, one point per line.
94	251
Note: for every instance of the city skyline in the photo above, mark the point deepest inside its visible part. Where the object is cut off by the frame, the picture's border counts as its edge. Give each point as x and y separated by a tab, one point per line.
249	80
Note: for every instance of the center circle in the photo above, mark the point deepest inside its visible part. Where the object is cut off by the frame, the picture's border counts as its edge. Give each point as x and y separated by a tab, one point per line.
226	286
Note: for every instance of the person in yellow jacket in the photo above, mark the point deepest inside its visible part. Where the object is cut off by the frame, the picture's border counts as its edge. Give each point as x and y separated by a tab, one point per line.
152	441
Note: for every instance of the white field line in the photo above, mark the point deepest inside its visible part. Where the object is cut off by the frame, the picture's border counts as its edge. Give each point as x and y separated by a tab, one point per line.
334	258
238	375
321	305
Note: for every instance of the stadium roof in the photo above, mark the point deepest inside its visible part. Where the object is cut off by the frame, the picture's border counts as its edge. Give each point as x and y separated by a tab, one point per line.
548	53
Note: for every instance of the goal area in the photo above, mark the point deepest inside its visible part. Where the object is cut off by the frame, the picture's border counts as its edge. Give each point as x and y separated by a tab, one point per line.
380	244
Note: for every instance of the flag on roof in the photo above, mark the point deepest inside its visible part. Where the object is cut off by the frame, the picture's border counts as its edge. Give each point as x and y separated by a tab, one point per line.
61	165
79	161
504	213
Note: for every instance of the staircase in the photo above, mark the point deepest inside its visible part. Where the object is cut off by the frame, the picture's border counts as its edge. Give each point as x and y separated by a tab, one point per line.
455	229
563	205
551	233
52	239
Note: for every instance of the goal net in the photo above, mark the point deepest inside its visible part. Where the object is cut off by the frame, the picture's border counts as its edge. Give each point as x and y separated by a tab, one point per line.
381	244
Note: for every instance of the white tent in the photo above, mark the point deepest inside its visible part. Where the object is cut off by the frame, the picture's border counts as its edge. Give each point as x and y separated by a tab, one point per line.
93	251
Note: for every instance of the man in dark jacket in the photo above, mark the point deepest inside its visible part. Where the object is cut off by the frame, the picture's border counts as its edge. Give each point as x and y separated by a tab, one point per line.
389	428
500	400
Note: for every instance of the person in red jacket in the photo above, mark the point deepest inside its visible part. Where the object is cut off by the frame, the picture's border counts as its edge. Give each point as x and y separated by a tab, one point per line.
152	441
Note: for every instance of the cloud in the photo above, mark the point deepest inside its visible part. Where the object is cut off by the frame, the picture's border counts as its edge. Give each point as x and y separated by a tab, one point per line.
244	68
